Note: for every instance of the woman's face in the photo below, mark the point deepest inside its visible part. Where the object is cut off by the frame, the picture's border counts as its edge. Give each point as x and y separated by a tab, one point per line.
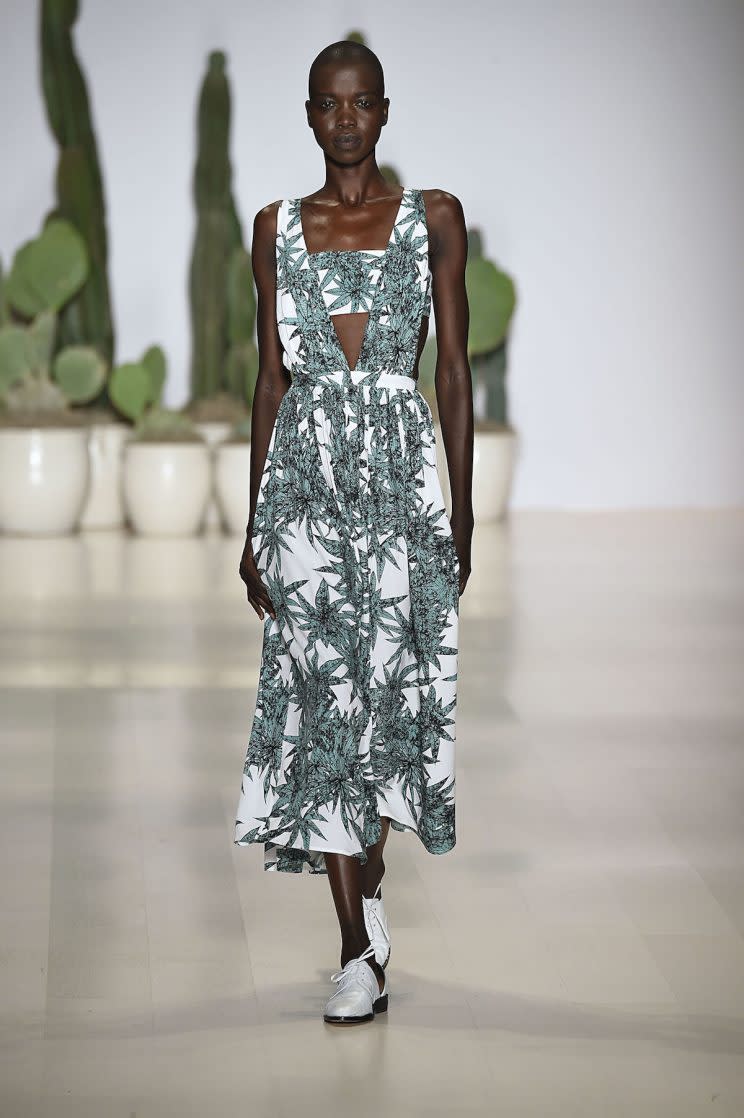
346	110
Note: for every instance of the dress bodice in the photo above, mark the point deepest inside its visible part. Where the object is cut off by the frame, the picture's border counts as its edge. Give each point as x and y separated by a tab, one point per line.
392	286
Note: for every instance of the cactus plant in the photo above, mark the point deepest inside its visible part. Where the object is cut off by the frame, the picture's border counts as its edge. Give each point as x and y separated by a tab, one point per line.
492	299
241	360
218	236
47	271
4	308
135	390
46	274
87	318
33	382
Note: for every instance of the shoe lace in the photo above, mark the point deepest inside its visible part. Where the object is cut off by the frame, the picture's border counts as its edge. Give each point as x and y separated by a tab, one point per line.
350	969
373	912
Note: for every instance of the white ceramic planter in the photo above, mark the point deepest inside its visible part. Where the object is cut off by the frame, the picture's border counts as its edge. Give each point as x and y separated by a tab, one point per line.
232	481
104	507
213	433
166	487
493	470
44	477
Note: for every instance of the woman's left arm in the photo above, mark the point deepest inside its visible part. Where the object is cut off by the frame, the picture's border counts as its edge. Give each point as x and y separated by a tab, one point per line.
448	249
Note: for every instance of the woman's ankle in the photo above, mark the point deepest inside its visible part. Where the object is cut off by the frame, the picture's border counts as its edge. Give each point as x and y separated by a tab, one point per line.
372	877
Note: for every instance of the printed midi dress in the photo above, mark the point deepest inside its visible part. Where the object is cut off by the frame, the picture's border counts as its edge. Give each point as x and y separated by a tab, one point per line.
355	711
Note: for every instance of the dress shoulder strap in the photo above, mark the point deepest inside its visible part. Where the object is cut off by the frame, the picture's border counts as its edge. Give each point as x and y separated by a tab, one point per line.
281	218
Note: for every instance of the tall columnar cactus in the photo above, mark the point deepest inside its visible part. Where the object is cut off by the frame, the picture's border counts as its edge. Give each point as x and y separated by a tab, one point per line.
87	318
218	236
241	361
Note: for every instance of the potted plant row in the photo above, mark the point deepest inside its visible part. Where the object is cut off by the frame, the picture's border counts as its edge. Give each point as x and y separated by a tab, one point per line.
158	465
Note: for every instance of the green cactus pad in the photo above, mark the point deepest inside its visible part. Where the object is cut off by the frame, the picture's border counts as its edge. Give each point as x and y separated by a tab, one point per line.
48	270
80	371
15	356
155	363
130	390
491	298
41	334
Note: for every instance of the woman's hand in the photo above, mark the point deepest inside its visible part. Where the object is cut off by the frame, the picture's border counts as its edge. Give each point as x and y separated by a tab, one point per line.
462	537
258	595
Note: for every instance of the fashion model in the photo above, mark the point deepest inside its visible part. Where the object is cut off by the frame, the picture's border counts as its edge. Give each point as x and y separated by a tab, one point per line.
350	558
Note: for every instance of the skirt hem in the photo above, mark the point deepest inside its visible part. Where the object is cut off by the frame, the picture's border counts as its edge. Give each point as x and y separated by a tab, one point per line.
298	859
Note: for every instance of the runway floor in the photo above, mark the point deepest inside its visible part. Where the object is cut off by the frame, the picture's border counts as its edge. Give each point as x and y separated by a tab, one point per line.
579	953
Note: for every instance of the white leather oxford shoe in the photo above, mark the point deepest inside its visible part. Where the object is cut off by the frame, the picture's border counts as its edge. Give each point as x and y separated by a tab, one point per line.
358	997
376	924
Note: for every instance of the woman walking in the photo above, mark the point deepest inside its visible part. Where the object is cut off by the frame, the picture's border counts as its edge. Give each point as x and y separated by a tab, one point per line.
350	558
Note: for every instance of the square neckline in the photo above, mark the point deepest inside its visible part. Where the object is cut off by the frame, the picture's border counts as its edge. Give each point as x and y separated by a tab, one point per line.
312	264
351	251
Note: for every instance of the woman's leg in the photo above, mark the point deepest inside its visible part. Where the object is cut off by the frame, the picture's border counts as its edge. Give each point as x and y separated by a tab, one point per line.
345	875
373	870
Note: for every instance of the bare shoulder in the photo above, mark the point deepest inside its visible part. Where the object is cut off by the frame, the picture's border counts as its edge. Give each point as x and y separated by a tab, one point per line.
264	239
444	215
264	223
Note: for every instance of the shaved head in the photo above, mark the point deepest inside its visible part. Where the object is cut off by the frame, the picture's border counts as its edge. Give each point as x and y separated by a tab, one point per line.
346	50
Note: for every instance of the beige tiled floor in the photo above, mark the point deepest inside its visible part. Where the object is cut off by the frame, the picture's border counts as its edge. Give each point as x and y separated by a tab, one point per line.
579	953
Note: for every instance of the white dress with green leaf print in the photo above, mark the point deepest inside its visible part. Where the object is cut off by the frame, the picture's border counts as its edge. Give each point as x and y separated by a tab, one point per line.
355	712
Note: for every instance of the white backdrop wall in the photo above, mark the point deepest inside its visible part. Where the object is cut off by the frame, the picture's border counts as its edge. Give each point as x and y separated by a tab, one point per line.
598	145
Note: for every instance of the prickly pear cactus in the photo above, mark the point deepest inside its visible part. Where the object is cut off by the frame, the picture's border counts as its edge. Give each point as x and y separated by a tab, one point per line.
28	385
131	389
47	271
80	372
135	390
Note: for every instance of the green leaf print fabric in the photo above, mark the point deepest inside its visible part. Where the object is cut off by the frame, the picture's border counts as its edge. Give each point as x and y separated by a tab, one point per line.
355	711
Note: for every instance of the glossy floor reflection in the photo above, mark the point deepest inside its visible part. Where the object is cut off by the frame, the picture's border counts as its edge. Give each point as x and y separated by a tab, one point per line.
580	952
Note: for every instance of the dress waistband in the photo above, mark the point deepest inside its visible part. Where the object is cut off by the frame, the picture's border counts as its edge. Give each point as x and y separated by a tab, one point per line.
364	378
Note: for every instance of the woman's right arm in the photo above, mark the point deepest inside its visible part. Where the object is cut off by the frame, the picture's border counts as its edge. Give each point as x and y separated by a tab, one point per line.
272	382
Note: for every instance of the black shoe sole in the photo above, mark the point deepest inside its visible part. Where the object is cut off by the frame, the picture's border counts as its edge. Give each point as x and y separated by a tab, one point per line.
380	1006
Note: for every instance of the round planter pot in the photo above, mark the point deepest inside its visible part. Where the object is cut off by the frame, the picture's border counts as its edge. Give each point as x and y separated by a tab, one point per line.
44	478
104	507
166	487
232	477
493	469
213	432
